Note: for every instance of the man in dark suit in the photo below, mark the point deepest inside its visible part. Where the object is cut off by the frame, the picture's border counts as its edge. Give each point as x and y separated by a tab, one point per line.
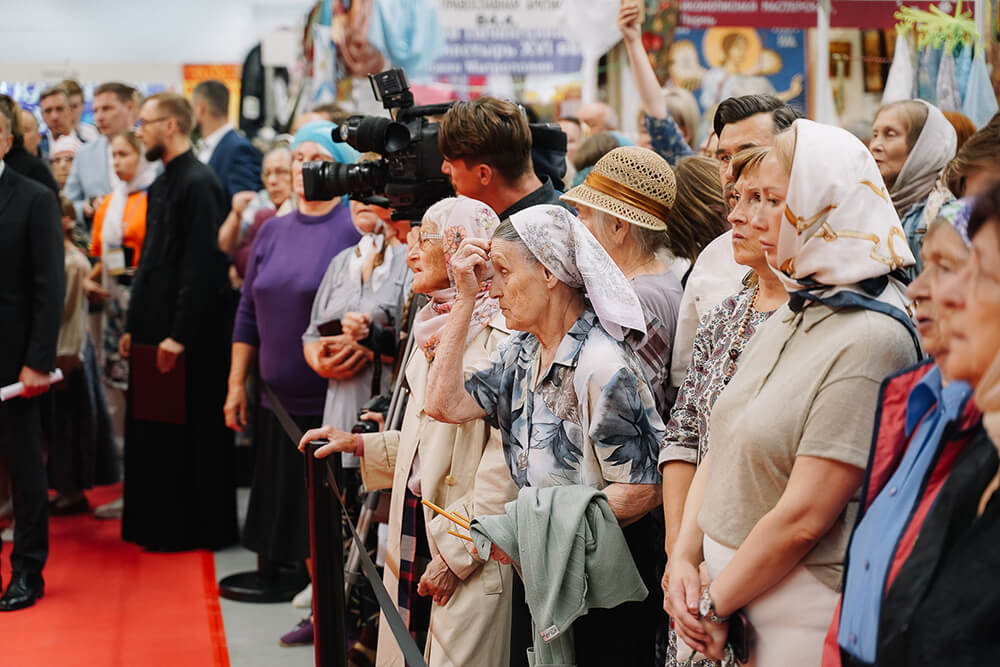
18	157
32	284
233	159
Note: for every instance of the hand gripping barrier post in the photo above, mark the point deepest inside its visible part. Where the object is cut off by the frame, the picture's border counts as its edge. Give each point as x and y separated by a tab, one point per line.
326	509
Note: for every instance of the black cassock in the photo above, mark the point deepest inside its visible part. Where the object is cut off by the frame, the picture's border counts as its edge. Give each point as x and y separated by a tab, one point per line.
180	490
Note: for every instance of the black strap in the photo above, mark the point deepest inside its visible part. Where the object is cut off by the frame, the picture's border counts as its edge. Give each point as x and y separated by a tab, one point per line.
411	653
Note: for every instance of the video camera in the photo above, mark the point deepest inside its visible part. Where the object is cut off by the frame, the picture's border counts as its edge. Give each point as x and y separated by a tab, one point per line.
407	178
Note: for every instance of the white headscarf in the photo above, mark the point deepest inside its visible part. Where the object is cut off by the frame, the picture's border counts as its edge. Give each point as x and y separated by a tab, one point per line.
567	248
934	149
112	232
840	237
458	218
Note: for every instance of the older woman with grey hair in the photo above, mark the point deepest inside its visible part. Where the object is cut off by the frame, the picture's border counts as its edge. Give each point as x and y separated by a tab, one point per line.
566	393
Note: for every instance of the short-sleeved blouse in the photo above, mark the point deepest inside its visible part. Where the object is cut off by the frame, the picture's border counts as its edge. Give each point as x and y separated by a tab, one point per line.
807	386
660	296
591	420
686	438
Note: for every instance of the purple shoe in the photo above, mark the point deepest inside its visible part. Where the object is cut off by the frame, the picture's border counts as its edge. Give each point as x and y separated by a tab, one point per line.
302	635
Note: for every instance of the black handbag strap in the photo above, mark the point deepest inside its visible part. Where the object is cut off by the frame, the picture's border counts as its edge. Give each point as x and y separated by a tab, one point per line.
411	653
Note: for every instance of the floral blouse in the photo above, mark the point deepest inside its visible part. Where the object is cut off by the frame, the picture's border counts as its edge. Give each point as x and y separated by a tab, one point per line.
687	431
666	139
591	420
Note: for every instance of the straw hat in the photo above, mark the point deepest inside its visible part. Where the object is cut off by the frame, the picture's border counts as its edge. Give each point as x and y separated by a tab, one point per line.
631	183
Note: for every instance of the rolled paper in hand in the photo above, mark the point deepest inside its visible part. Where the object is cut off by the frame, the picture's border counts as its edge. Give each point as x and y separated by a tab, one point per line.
17	389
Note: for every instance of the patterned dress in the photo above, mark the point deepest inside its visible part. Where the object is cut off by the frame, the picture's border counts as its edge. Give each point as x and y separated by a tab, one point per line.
591	420
686	437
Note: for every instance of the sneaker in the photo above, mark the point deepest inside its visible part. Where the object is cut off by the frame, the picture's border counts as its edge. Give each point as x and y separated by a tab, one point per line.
302	635
112	510
304	599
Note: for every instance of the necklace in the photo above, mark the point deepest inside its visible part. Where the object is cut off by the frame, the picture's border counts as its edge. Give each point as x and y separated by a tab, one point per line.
734	351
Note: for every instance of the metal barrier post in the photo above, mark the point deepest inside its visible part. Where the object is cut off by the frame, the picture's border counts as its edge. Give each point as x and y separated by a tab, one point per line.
327	548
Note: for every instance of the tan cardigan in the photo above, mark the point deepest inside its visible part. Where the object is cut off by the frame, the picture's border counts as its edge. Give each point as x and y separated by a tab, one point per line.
462	468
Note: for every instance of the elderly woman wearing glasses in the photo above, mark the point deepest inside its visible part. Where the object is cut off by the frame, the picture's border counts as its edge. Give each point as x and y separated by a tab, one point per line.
566	392
450	598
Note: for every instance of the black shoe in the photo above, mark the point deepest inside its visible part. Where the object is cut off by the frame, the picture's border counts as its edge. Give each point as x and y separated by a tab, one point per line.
68	506
24	589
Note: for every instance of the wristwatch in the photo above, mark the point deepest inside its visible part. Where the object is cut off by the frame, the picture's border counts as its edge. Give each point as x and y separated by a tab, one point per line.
706	608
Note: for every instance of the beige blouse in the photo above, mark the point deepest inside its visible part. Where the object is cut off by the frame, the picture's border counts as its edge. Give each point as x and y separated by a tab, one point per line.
807	385
73	330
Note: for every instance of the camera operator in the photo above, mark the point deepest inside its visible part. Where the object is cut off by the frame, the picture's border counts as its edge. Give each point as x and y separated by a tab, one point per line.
486	146
459	467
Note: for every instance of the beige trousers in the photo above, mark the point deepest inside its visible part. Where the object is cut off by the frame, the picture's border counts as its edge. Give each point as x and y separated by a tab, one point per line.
790	620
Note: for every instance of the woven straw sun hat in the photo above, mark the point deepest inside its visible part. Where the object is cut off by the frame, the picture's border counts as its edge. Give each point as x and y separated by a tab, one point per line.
631	183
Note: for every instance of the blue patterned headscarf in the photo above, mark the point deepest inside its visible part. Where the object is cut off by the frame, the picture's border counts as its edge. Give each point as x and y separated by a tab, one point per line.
956	213
321	132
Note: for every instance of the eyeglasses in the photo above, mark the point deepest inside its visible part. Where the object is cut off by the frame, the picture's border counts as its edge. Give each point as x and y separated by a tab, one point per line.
142	123
427	236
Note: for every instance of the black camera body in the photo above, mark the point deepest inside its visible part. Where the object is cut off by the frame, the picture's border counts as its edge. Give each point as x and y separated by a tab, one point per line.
379	404
407	178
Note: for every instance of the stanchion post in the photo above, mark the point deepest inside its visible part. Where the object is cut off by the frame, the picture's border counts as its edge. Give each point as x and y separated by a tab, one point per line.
327	548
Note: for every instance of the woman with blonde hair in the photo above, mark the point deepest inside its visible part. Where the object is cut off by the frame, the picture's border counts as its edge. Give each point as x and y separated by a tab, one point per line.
770	508
718	344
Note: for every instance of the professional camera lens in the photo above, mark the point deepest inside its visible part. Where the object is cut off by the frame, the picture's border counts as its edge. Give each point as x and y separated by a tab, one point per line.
323	181
375	134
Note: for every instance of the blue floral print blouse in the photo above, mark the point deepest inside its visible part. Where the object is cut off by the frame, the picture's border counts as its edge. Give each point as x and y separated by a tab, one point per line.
591	420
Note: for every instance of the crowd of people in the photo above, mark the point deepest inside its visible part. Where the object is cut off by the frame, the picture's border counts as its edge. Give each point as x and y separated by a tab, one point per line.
663	402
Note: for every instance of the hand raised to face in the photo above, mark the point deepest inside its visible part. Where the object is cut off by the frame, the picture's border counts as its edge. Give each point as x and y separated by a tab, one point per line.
469	266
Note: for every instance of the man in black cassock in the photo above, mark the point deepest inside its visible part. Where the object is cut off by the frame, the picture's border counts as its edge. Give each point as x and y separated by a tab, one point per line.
180	490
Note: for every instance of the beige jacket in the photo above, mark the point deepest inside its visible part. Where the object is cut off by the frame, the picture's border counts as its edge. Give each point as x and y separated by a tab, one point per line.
462	468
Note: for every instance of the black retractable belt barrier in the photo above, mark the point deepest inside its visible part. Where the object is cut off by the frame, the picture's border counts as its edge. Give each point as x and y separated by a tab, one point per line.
326	507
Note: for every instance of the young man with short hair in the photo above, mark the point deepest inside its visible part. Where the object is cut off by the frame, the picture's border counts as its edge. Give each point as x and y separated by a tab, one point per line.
486	145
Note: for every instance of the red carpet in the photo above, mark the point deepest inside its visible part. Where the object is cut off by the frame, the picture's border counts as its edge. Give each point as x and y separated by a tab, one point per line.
110	604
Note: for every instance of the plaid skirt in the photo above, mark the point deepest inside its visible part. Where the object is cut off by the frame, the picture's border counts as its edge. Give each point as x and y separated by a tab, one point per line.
414	555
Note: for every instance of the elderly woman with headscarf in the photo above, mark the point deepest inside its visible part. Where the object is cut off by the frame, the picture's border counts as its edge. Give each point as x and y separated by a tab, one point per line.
923	428
950	598
912	142
770	507
286	265
435	580
567	394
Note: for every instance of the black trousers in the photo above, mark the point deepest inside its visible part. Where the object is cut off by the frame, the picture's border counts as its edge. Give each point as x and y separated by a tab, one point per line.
625	635
21	447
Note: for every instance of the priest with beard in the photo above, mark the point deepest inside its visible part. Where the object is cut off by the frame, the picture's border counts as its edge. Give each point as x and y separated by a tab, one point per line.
180	490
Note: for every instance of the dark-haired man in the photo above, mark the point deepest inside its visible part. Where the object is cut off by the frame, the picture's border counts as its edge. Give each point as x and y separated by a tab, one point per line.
233	159
32	281
180	488
58	117
740	122
486	145
18	157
